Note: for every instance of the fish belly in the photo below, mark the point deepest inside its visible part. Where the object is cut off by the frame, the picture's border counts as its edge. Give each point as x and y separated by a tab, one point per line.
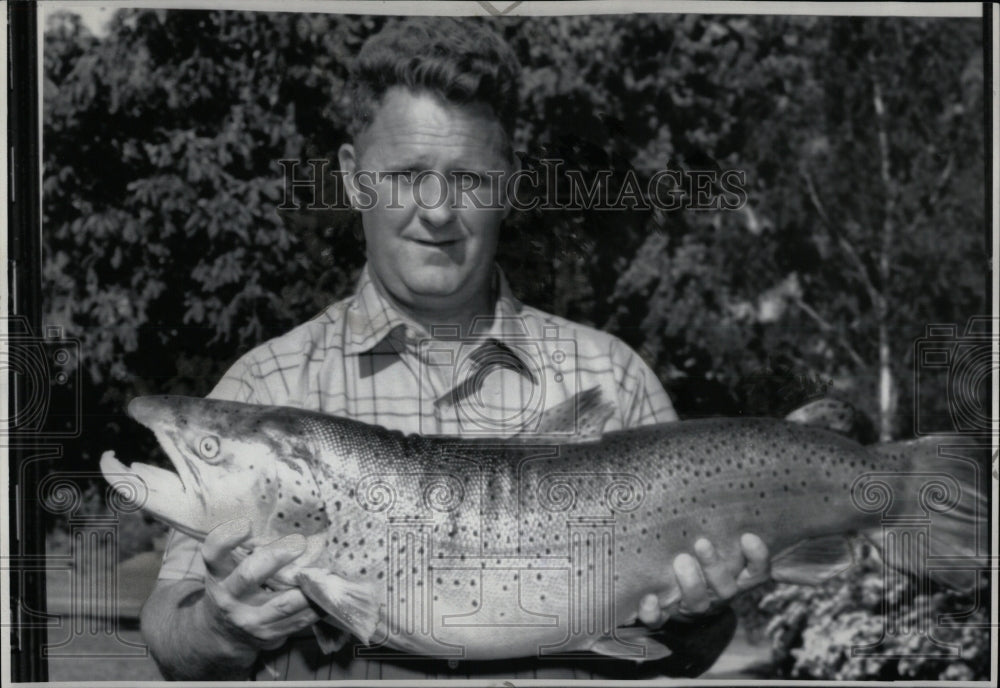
518	608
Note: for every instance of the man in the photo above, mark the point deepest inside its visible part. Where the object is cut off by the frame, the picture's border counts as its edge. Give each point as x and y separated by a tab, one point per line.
433	95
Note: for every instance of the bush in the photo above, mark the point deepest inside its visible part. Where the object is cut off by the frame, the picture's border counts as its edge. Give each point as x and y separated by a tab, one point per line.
813	630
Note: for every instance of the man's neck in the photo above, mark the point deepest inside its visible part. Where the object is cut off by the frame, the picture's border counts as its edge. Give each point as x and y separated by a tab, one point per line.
463	314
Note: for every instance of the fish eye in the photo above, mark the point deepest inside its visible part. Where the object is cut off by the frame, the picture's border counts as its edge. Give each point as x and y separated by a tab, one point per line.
209	447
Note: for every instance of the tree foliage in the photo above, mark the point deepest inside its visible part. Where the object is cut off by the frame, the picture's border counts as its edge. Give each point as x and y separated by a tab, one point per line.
814	630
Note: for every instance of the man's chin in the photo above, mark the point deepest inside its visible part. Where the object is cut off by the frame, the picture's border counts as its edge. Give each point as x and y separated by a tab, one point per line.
435	280
433	291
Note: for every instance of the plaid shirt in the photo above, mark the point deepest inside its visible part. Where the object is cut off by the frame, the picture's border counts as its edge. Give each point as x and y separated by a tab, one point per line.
363	359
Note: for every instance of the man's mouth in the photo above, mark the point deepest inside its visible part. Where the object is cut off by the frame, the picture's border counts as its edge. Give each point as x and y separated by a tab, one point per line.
436	243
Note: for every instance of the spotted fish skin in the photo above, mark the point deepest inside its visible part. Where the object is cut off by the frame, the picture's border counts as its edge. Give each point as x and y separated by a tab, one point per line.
487	549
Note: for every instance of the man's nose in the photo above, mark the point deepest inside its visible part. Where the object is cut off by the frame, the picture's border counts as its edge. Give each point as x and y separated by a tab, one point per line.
435	200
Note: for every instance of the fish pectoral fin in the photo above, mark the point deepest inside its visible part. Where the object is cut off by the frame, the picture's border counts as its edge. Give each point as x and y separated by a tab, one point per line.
351	605
330	638
631	642
813	561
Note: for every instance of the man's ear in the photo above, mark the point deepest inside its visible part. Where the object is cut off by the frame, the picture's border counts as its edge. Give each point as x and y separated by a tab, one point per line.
348	166
510	190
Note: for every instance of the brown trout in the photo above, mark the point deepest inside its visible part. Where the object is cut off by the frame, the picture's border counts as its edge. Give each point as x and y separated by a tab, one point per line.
487	549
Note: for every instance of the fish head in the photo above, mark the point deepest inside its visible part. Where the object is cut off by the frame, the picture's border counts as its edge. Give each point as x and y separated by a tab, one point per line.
232	460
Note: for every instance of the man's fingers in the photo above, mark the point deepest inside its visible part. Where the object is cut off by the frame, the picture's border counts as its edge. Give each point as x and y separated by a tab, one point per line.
649	611
294	624
758	568
219	544
268	624
265	561
694	591
719	577
286	605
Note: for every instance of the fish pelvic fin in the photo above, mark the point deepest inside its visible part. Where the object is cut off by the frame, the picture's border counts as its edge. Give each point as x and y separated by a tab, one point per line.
330	639
583	415
943	482
680	648
631	642
351	605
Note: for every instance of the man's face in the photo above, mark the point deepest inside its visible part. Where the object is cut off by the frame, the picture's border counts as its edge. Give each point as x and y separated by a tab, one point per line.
428	253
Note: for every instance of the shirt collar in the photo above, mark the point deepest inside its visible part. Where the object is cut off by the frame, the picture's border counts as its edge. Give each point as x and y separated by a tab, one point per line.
372	319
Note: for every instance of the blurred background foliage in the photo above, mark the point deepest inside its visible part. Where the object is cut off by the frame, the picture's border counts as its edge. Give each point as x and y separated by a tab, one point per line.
861	140
814	632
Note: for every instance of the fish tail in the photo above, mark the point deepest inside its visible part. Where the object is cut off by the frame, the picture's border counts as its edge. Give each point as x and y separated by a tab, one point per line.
945	488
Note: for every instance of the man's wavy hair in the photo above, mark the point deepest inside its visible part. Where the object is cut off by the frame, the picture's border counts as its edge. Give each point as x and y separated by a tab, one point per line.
459	60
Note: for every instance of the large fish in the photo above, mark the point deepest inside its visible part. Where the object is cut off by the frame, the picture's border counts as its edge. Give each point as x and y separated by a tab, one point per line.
486	549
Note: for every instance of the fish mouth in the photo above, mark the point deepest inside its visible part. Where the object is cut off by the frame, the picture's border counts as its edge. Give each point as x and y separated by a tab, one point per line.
158	491
161	415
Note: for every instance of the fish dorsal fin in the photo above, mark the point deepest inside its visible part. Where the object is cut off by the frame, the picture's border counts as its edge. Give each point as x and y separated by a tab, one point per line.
837	415
813	561
583	415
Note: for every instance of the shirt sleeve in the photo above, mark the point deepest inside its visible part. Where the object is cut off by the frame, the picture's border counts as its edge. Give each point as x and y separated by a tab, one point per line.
641	397
182	553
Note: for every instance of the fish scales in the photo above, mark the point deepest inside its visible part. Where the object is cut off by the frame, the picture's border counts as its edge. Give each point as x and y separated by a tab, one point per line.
506	510
506	548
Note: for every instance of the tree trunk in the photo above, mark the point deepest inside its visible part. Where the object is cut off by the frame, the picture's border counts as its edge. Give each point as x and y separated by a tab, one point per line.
887	393
887	396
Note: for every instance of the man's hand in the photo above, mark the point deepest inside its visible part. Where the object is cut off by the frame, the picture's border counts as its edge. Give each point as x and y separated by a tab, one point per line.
707	580
235	602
